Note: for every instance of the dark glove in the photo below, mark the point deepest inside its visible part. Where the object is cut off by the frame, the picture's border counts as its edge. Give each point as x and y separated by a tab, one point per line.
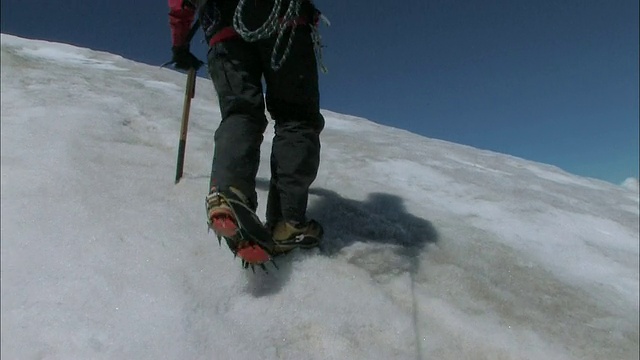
183	59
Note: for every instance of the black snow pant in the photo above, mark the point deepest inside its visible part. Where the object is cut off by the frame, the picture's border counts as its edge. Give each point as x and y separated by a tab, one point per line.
292	98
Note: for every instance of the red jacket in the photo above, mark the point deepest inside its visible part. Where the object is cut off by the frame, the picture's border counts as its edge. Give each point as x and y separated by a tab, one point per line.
180	20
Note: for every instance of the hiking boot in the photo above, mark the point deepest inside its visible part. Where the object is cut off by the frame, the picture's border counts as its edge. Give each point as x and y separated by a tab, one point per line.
288	236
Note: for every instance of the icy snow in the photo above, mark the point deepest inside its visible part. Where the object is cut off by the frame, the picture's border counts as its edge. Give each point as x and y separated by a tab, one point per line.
433	250
631	184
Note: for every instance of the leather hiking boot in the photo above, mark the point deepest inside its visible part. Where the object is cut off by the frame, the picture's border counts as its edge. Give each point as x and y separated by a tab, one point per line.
288	236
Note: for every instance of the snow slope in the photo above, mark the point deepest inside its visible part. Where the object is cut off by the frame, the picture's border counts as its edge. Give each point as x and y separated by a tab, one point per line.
433	250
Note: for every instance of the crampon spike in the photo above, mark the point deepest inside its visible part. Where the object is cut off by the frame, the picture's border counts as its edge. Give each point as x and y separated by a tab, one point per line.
264	268
253	269
274	264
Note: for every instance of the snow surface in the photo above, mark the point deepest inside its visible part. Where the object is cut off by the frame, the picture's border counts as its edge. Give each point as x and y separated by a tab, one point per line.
433	250
631	184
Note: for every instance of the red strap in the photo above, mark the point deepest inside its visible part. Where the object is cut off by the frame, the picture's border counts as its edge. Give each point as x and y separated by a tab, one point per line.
224	34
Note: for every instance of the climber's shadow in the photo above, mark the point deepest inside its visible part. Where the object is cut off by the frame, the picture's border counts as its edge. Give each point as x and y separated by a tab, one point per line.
385	237
381	218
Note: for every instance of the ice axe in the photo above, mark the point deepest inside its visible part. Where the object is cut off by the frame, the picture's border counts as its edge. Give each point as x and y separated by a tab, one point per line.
190	91
188	95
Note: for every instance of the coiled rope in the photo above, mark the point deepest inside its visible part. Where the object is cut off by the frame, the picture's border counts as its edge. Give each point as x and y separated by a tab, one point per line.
276	25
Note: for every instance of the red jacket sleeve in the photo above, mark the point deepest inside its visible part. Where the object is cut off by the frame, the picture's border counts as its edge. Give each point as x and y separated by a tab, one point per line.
180	20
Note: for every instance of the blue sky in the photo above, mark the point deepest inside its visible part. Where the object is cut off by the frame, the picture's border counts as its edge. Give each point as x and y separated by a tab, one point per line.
550	81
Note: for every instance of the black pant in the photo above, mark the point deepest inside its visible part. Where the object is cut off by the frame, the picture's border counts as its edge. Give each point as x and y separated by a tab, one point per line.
292	99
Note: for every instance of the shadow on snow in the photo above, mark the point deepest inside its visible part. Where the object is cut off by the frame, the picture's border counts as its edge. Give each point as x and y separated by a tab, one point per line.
377	234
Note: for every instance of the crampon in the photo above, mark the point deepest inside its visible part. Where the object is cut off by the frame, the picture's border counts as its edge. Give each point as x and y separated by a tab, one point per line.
240	242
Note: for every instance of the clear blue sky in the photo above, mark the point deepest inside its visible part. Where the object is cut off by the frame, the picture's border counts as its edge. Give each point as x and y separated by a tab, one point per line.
547	80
